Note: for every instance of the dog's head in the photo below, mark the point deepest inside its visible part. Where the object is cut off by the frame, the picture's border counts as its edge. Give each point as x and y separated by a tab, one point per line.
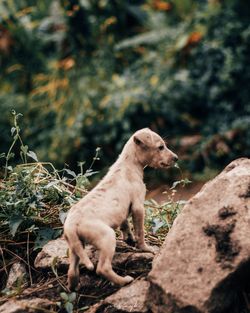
151	150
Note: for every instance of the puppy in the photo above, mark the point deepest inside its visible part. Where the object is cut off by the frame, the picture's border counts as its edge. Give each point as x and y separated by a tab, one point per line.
120	193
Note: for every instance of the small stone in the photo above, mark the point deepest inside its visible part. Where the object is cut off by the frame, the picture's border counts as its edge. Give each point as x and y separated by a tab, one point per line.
17	276
34	305
54	249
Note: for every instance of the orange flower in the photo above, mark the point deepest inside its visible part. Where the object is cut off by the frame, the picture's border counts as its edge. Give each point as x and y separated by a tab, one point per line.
194	38
67	63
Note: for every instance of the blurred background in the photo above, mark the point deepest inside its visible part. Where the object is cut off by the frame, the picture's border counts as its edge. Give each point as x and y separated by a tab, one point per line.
88	73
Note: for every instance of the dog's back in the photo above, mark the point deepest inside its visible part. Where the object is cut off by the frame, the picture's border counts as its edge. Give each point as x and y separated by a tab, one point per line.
109	201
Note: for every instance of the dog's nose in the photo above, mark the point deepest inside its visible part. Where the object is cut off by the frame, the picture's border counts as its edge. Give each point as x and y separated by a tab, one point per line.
175	158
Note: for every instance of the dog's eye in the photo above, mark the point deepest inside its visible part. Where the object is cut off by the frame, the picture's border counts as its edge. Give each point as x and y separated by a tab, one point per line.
161	147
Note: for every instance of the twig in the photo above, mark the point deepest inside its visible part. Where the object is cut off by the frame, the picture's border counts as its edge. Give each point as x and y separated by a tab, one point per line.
246	300
4	263
54	270
28	258
39	309
18	257
44	286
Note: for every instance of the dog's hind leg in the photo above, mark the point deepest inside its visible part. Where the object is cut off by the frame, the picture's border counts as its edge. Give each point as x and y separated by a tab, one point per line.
73	272
106	245
77	254
77	247
84	258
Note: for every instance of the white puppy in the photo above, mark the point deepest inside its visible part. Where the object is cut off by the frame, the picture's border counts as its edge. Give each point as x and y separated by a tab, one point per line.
120	193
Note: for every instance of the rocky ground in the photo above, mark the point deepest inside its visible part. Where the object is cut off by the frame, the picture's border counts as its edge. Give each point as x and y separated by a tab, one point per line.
49	282
202	267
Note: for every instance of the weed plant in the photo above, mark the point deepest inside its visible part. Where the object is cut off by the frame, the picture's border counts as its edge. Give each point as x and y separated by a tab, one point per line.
160	217
34	199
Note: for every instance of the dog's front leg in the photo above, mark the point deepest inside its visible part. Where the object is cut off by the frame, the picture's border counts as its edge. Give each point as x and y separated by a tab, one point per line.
138	221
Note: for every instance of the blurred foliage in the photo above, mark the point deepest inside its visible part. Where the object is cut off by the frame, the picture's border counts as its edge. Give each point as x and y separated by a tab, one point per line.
89	73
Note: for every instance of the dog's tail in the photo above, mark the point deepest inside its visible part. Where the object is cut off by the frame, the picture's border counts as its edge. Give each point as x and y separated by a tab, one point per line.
77	246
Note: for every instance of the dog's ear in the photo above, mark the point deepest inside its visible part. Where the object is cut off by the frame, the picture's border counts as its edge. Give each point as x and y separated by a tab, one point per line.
139	142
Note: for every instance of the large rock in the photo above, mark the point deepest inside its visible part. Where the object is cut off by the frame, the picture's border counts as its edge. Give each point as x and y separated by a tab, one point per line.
129	299
204	264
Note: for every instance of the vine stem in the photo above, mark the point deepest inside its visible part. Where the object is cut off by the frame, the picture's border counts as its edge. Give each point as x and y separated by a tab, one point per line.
8	157
28	258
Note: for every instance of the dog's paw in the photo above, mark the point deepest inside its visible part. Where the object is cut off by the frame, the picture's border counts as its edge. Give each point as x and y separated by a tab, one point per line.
146	248
122	281
128	279
90	266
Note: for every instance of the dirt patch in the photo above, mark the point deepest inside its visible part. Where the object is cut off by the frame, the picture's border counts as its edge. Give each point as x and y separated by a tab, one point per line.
162	193
226	248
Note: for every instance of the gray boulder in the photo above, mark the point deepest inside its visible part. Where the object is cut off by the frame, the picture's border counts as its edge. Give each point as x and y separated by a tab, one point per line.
204	264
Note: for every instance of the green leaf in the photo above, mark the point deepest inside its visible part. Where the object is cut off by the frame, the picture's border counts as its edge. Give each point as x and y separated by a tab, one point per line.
157	225
181	42
13	129
14	222
81	163
62	216
186	181
19	115
84	308
11	155
24	149
90	173
147	202
72	297
44	236
72	173
32	155
175	184
51	184
64	296
69	307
